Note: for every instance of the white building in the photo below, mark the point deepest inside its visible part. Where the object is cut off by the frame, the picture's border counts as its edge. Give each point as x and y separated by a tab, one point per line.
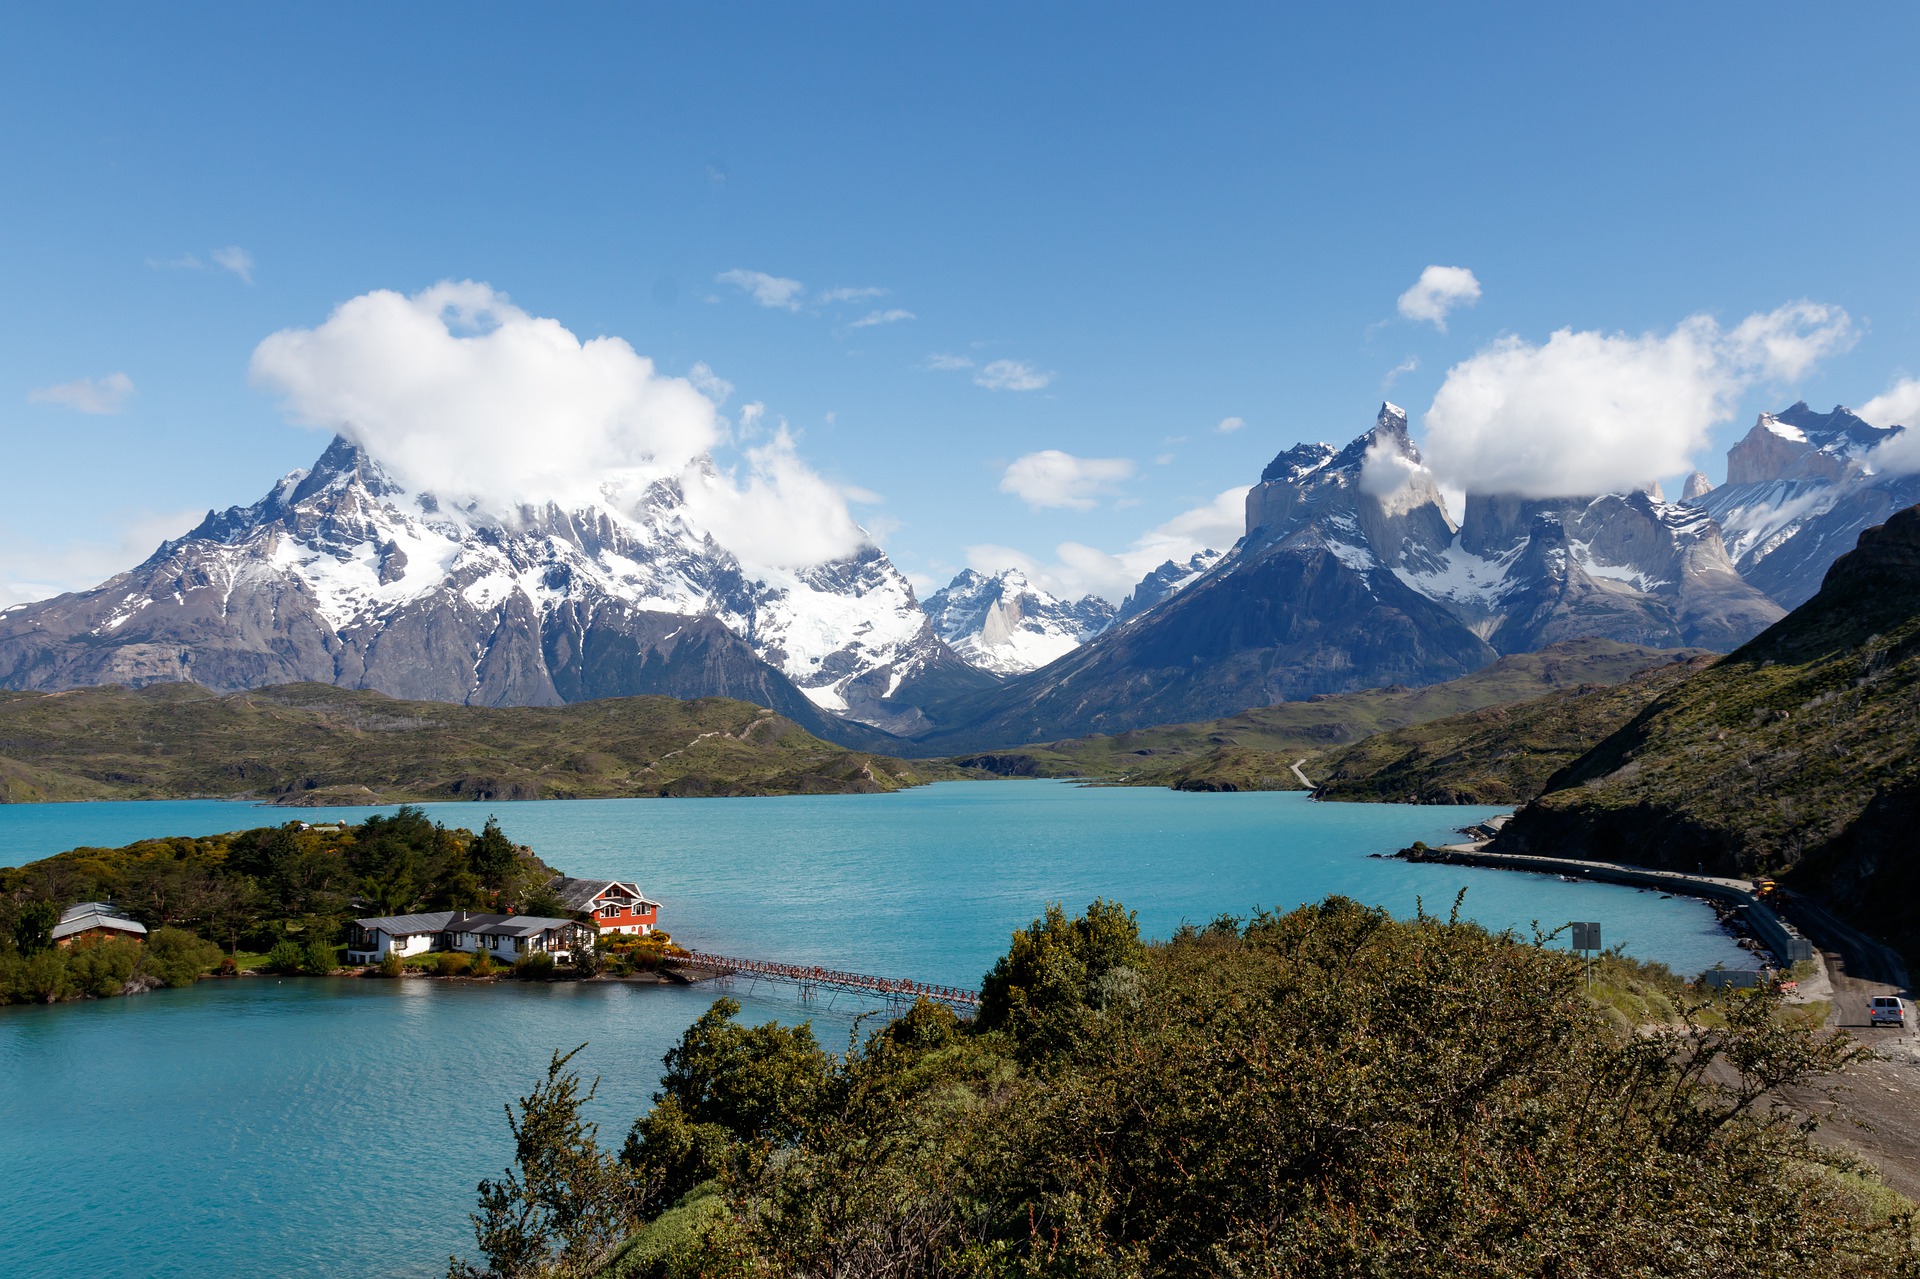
505	937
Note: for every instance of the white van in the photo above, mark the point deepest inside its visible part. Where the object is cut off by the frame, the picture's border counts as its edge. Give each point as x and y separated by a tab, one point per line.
1887	1010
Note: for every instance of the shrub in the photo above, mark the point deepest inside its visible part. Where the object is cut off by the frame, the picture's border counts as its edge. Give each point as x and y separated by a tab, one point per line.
1324	1092
37	978
392	964
484	964
451	963
285	957
102	966
537	966
319	957
177	957
588	960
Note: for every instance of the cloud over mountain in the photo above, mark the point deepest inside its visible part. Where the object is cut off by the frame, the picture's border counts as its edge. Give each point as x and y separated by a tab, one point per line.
1590	412
459	392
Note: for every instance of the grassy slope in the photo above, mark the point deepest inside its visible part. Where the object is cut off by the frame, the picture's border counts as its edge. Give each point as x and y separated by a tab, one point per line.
1252	750
1499	755
1796	755
311	743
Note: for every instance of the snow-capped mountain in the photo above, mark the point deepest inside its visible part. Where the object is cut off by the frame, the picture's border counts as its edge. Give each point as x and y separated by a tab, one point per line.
1005	624
1351	575
1163	583
342	576
1800	488
1520	573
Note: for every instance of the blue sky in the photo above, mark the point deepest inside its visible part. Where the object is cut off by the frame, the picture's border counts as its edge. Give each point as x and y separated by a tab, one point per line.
1154	220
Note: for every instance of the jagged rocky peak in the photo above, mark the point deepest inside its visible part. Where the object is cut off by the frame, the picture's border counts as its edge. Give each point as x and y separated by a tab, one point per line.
1373	503
1800	444
1003	623
1163	583
1696	487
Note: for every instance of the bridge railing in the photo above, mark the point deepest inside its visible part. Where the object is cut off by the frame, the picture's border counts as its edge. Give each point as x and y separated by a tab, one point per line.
815	975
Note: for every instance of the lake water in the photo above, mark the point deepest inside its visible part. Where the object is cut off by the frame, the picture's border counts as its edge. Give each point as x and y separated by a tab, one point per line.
337	1127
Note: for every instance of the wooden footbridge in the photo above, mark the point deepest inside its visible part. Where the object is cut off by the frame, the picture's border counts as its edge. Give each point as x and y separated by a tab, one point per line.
813	978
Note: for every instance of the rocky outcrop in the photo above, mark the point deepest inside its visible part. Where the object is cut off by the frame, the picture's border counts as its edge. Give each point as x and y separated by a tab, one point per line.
1163	583
1005	624
1801	487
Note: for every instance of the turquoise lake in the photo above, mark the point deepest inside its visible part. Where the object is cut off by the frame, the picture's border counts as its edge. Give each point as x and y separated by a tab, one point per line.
337	1127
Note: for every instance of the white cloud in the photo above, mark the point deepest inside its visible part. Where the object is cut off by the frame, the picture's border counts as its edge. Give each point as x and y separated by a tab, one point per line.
1784	343
881	317
1078	569
1596	412
710	384
107	394
1409	365
1898	405
1438	291
852	295
1051	478
235	259
1385	470
38	571
1011	375
767	290
945	363
778	514
460	393
1228	425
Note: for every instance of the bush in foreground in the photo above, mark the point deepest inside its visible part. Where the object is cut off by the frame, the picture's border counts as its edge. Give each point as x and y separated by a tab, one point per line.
1327	1092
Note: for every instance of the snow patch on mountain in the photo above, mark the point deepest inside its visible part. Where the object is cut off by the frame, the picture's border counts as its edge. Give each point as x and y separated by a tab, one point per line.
1003	623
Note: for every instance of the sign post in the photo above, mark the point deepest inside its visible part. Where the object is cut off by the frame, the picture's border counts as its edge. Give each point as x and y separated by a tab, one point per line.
1586	938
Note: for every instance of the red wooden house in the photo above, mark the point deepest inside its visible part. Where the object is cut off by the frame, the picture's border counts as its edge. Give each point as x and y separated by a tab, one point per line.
613	905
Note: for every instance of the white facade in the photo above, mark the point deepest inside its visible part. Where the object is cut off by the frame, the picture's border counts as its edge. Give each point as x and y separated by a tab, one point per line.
504	937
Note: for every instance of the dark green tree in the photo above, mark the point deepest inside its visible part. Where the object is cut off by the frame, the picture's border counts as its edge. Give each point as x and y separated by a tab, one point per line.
564	1202
33	927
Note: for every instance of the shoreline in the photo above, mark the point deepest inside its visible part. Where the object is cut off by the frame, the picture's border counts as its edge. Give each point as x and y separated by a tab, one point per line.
1736	903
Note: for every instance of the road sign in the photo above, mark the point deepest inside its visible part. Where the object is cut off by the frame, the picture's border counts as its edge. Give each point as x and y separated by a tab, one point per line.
1586	936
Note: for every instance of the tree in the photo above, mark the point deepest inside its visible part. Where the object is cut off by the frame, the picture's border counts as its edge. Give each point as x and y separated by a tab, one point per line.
33	927
563	1200
491	856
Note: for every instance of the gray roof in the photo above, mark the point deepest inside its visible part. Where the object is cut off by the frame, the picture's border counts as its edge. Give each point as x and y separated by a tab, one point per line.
460	921
578	894
95	915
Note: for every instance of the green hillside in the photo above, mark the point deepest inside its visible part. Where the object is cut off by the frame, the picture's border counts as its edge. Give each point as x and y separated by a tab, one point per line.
1798	755
316	744
1253	750
1499	755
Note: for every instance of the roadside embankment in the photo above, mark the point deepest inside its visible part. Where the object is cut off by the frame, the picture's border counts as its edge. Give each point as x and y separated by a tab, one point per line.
1782	938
